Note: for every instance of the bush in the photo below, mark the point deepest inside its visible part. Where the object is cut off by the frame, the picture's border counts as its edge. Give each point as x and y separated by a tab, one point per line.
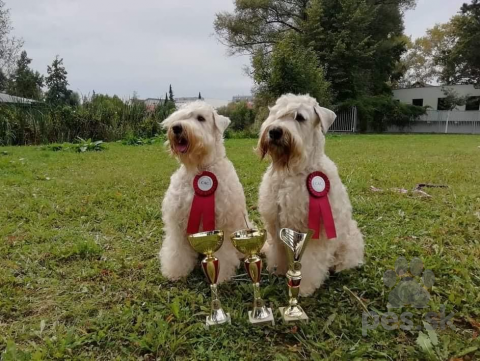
98	117
242	134
241	114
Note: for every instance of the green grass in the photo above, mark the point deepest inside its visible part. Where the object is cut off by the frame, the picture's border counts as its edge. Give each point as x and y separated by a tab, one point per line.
80	233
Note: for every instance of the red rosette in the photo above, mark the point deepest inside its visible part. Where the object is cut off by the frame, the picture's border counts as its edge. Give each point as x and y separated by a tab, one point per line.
203	204
313	188
319	210
209	181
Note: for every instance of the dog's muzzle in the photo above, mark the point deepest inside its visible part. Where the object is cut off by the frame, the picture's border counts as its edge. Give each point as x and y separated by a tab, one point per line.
179	141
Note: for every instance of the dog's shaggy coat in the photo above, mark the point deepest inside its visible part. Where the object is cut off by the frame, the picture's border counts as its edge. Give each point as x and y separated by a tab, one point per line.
195	137
293	136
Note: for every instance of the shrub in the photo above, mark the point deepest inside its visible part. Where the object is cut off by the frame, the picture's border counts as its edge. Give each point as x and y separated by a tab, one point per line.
98	117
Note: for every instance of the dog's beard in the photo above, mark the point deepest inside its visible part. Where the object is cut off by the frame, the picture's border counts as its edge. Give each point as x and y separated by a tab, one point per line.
284	152
187	147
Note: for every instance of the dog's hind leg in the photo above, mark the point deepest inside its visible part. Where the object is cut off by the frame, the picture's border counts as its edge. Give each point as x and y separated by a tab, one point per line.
275	254
315	263
177	258
349	253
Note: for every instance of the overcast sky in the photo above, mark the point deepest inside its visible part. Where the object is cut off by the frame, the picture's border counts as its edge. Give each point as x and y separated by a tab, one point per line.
122	46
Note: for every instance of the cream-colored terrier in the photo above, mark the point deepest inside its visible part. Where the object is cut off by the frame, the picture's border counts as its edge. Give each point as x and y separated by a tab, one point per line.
195	137
293	136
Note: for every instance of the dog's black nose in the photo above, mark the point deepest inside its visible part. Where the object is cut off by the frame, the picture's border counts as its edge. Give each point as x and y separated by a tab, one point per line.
275	133
177	129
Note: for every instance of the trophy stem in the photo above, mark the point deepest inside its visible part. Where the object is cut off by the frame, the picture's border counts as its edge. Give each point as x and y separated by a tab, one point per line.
260	314
217	316
293	312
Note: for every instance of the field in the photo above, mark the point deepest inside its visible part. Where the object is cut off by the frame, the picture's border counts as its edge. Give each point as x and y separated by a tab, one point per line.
80	234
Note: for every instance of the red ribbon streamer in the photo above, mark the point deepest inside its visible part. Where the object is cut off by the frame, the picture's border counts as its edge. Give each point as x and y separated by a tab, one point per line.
319	210
203	204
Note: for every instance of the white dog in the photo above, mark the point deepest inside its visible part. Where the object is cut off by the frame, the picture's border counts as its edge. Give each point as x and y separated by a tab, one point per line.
293	136
195	137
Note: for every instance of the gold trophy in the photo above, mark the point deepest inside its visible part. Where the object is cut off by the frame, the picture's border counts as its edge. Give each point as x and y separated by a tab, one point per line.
207	243
249	242
295	244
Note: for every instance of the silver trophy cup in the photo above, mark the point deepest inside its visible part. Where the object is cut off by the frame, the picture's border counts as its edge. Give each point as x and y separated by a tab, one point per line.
295	244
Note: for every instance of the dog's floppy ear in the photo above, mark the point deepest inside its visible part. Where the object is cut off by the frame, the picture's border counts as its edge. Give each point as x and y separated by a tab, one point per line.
326	117
221	122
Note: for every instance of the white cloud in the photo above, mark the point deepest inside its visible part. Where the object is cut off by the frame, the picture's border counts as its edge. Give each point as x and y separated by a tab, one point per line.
119	46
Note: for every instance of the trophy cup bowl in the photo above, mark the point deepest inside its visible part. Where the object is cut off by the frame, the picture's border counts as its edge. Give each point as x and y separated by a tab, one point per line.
250	242
207	243
295	244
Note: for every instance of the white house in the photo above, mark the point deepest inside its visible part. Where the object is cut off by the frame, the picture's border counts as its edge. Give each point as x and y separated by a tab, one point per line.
216	103
432	96
11	99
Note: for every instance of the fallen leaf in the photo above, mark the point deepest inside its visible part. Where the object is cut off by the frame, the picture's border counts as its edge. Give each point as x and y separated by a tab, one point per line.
373	189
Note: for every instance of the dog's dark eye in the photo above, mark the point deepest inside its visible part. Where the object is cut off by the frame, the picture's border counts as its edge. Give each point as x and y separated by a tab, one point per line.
299	117
200	118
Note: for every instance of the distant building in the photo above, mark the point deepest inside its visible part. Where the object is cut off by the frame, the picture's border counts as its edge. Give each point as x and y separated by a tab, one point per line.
11	99
242	98
432	96
151	103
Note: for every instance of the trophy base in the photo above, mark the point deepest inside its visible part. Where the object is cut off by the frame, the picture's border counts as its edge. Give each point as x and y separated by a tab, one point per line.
287	319
264	321
209	322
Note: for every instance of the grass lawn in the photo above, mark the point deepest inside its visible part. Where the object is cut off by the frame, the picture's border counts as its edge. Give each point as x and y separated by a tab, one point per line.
80	234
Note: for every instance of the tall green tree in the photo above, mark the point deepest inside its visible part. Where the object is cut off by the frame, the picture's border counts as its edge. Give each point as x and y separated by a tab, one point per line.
289	68
170	94
57	83
358	42
461	63
25	82
420	62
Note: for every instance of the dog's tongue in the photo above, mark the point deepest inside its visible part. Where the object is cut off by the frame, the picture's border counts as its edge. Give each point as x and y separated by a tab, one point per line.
182	148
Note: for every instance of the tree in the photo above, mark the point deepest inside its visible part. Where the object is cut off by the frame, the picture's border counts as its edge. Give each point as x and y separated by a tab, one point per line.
25	82
241	115
461	63
166	99
289	68
57	83
358	42
4	81
170	94
451	102
9	45
199	95
420	61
